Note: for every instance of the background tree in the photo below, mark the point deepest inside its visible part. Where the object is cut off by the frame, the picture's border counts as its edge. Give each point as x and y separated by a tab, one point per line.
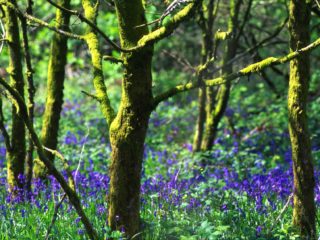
219	104
206	21
304	183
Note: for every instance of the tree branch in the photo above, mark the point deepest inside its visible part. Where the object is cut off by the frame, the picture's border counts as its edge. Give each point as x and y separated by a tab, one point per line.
39	21
91	95
90	23
252	68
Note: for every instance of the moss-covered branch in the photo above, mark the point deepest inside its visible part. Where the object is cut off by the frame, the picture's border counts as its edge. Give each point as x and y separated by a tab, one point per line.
166	30
252	68
92	41
16	99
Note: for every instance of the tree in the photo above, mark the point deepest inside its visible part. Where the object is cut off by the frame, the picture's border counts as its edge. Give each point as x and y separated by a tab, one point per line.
206	21
55	84
16	151
216	112
212	102
304	183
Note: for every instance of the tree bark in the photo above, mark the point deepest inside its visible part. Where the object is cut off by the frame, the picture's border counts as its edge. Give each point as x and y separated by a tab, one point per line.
16	155
55	85
128	130
304	182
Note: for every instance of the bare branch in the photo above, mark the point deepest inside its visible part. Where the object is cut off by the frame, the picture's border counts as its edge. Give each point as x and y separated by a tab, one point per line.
181	60
71	183
112	59
262	43
91	95
55	215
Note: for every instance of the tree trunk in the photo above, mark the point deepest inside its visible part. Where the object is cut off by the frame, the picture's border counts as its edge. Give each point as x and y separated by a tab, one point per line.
206	55
55	82
304	182
128	130
31	93
16	155
200	121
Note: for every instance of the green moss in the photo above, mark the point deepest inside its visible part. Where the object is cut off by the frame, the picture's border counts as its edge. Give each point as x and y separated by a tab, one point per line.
221	35
90	9
257	67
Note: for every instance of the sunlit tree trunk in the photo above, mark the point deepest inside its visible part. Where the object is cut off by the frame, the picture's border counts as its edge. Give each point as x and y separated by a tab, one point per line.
216	112
55	83
304	182
128	130
16	155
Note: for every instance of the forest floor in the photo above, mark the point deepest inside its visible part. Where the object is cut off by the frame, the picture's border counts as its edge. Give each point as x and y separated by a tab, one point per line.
239	190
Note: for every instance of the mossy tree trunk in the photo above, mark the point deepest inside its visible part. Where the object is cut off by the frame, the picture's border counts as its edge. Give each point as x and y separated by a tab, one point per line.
206	21
128	130
55	85
220	102
16	155
304	182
